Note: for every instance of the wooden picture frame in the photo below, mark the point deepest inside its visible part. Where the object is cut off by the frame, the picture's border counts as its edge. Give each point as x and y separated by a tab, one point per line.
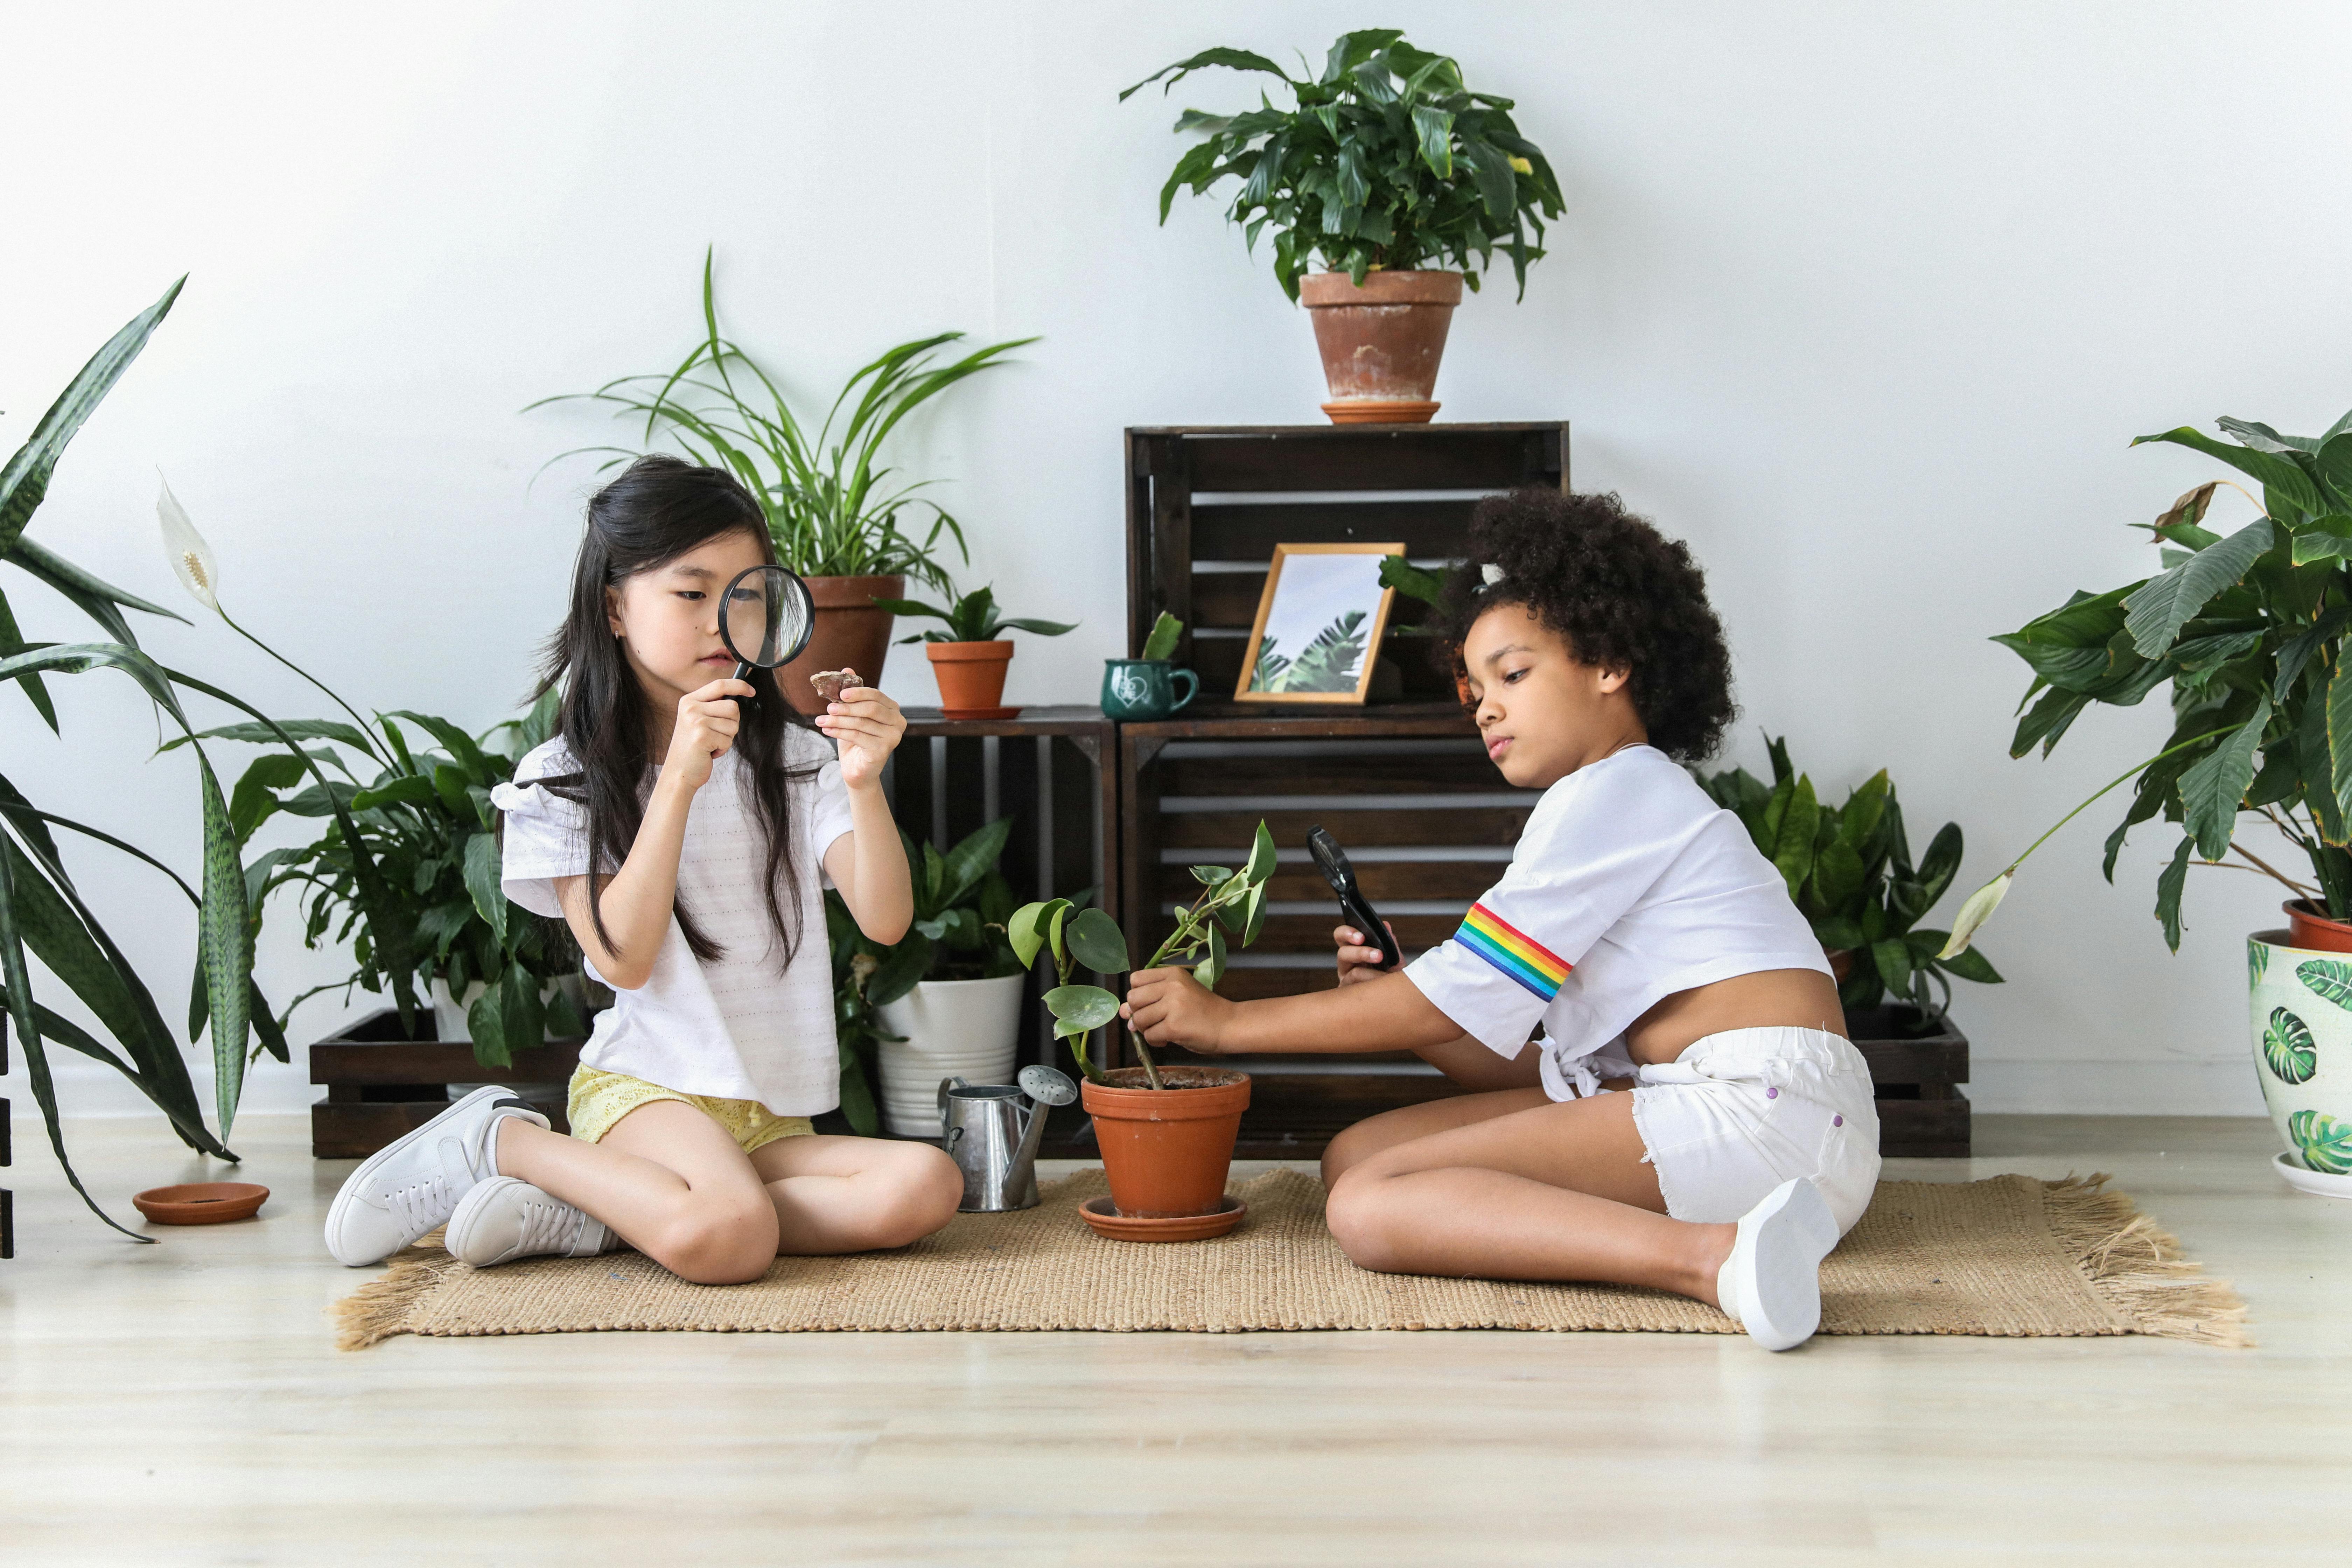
1289	622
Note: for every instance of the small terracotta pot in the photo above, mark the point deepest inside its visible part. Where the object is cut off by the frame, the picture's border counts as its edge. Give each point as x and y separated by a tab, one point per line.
1382	343
1166	1150
850	632
2307	927
1840	963
971	677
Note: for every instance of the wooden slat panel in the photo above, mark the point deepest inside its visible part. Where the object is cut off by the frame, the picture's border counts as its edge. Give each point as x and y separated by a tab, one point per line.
1431	457
1249	984
1380	880
1464	770
1232	831
1924	1128
428	1061
1248	531
1312	933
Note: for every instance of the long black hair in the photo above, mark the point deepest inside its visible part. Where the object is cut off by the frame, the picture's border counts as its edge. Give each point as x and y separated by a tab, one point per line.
660	508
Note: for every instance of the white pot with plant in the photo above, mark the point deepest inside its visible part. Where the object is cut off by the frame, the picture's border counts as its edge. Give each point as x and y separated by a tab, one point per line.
1384	164
2248	630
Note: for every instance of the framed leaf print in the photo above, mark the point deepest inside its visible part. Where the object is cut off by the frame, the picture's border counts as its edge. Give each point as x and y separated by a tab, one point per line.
1318	627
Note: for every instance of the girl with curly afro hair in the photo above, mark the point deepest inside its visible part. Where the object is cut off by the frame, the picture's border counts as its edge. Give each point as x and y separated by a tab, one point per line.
1660	1087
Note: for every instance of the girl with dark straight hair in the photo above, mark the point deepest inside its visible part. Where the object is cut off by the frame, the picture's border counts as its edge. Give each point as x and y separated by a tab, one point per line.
678	823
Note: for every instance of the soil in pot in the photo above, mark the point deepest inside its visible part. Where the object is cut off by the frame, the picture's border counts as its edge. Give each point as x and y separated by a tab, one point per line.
1381	343
850	633
1167	1150
971	677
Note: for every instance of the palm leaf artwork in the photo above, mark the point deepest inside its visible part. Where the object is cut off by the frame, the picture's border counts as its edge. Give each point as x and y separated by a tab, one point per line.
2258	960
1333	661
2288	1048
832	507
2329	979
1266	674
2325	1142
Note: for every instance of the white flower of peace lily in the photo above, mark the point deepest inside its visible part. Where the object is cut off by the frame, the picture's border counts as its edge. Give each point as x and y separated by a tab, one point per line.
192	558
1976	911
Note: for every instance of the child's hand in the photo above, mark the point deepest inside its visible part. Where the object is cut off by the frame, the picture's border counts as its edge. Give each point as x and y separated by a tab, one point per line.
1169	1008
1359	963
707	718
867	726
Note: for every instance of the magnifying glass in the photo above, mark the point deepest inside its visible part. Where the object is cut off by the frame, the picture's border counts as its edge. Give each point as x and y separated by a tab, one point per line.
1332	861
766	619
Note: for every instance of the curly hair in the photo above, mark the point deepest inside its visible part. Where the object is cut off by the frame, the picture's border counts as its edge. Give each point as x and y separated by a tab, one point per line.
1618	590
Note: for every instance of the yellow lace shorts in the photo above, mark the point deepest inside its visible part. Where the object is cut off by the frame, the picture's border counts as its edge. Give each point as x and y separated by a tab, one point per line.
599	1099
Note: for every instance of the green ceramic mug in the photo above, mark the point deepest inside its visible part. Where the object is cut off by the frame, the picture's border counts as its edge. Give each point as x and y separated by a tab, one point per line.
1144	688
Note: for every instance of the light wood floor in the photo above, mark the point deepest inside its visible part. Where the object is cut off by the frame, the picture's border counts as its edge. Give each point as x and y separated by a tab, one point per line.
184	1403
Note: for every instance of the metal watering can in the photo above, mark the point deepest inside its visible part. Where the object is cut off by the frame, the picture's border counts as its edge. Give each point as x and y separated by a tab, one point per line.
993	1137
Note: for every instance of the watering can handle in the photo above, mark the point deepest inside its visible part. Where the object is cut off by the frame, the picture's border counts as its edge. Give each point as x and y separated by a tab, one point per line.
947	1084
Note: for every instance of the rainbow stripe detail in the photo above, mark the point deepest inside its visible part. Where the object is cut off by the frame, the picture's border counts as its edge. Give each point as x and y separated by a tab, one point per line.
1513	951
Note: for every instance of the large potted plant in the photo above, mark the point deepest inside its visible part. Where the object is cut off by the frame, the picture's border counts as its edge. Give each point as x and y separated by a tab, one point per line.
2247	628
971	656
1166	1133
1384	165
839	516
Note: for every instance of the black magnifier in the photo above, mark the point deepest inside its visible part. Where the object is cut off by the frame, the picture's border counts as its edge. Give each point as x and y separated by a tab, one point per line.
1354	908
766	619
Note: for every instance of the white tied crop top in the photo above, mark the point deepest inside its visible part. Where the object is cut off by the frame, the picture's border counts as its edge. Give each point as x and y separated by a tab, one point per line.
1629	884
734	1027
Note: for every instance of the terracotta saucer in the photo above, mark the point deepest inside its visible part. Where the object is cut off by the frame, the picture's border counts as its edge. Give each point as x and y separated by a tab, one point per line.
1380	411
961	713
1107	1221
201	1202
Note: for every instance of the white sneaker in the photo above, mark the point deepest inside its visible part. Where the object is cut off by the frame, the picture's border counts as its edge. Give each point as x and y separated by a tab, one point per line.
505	1218
413	1183
1771	1283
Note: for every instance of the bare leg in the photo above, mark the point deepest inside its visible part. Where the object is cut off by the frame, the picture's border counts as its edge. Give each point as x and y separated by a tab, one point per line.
853	1194
1552	1191
1390	1127
669	1180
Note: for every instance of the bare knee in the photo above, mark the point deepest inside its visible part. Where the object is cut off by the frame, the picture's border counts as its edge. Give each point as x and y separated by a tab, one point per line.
718	1242
1361	1220
1348	1150
917	1191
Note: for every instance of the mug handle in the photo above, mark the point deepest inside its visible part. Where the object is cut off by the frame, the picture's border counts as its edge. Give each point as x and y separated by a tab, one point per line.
1174	675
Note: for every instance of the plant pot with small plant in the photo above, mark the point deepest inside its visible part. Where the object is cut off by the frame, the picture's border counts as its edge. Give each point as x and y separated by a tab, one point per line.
1166	1133
970	658
2247	628
1384	163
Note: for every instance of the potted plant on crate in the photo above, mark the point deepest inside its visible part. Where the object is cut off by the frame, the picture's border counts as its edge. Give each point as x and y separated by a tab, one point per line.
2247	628
1384	163
1167	1135
839	520
971	657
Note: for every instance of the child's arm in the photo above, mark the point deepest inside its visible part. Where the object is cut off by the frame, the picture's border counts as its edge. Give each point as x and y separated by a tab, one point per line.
869	864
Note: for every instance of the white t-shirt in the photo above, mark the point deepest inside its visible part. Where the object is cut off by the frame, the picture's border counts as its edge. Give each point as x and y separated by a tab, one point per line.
735	1028
1629	884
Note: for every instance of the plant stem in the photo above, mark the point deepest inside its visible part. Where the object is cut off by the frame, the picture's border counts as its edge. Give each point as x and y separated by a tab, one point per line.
2273	871
2132	773
366	734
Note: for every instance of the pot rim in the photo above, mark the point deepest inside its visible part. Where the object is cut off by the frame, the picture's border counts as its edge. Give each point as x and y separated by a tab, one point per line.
987	979
1407	286
2305	909
994	651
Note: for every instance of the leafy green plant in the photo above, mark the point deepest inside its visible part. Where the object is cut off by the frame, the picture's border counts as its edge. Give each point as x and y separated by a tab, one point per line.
423	817
1850	870
969	617
856	1020
1160	642
2247	629
833	508
1230	901
1413	583
1385	161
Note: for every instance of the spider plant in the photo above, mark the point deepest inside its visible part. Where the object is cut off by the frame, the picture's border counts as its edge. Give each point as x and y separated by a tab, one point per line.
832	510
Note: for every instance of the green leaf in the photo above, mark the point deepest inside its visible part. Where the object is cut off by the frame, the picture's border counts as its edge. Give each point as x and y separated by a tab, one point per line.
1161	642
2287	1048
2325	1142
460	745
1231	60
1970	966
1838	873
2339	735
2169	884
1096	941
1433	134
2156	613
12	641
482	865
2299	649
1892	958
1026	929
1212	969
1212	876
254	799
225	940
1792	850
1263	857
903	968
2322	539
2329	979
2211	791
407	789
2276	472
969	861
486	1022
1082	1007
264	735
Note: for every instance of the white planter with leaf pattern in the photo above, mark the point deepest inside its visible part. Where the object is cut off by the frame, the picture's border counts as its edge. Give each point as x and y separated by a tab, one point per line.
2301	1018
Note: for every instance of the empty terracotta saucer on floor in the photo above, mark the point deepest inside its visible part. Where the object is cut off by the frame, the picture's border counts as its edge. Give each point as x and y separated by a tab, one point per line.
1107	1221
201	1202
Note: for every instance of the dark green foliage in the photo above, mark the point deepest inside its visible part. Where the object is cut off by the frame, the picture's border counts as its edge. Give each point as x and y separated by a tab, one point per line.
972	617
1850	871
1385	161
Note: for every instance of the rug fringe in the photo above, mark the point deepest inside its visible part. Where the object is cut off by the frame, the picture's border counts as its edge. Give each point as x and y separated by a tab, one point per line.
2135	1267
378	1309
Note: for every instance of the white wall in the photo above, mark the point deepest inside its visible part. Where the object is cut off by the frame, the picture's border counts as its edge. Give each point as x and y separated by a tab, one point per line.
1864	300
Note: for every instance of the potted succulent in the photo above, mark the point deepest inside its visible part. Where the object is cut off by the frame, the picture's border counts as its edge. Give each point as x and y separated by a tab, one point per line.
1166	1133
971	657
1384	163
837	516
945	1000
2247	628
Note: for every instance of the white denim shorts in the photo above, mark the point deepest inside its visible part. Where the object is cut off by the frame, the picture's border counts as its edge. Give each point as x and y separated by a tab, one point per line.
1739	1112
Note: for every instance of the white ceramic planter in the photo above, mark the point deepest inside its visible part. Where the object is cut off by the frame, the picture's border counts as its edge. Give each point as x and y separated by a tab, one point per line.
2301	1019
954	1028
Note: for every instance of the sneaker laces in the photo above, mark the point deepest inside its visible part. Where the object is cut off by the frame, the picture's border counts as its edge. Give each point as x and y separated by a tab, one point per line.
421	1205
548	1225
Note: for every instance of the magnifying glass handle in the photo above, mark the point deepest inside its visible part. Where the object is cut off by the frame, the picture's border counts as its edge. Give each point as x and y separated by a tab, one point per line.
743	672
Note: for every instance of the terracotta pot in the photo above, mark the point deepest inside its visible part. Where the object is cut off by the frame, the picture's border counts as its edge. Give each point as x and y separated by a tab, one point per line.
1382	344
1840	963
850	632
2307	927
1166	1150
971	677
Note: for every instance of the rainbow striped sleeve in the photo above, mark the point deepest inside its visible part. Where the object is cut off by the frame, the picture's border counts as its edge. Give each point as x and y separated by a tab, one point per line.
1513	951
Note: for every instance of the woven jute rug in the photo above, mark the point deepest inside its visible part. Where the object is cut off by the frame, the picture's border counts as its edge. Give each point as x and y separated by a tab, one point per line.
2011	1256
